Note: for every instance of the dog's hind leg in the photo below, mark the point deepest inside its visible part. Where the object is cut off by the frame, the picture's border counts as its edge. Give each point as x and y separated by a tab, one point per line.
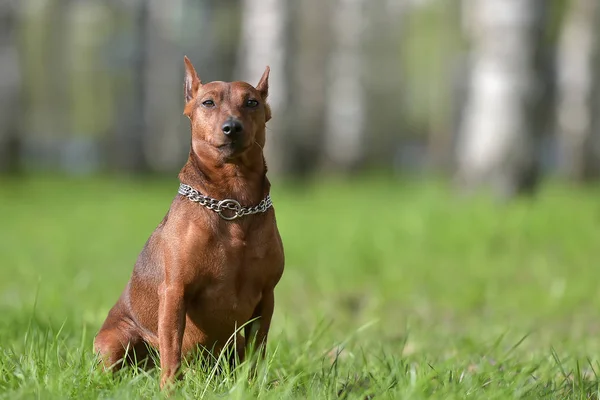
119	341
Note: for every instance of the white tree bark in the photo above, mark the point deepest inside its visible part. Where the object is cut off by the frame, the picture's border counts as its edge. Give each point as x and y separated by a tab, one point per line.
578	67
263	43
345	107
498	129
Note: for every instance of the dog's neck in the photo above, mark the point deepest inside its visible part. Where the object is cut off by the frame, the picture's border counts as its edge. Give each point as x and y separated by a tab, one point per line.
243	179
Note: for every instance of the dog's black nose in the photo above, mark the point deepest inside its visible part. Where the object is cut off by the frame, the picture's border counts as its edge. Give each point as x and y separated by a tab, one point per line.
232	127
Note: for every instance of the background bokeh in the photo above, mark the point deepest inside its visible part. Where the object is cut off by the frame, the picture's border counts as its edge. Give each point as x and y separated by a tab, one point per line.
494	91
386	114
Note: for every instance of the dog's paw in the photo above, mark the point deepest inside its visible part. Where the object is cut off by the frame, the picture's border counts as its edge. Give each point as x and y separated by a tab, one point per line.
168	380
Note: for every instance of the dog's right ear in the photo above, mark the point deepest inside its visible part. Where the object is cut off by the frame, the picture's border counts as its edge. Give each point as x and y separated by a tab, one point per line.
263	84
192	82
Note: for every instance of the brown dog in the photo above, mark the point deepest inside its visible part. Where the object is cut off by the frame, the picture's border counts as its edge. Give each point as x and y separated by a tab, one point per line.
212	264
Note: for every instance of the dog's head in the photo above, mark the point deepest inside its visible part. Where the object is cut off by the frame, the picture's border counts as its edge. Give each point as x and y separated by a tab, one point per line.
228	116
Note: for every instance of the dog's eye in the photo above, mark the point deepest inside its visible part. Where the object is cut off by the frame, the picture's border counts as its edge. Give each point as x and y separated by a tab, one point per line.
208	103
251	103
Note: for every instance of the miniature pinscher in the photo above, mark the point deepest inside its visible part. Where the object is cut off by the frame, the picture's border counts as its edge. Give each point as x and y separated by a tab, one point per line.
213	262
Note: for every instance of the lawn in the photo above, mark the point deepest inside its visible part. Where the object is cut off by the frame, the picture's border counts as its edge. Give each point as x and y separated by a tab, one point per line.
392	289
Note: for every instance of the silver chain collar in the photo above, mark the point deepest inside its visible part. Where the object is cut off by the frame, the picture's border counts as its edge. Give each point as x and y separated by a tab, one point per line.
219	206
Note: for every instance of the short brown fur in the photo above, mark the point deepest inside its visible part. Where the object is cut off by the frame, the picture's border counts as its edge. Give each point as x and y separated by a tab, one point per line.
199	276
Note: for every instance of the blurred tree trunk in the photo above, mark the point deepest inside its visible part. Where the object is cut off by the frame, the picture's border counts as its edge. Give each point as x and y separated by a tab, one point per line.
446	90
164	144
310	48
264	39
500	125
199	41
10	89
386	119
129	47
345	114
579	87
46	84
89	114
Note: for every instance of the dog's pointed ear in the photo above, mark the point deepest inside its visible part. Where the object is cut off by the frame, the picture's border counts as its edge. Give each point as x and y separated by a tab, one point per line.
263	84
192	82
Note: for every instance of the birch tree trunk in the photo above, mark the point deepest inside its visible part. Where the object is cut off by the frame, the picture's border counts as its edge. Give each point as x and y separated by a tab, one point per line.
345	107
263	42
499	130
579	85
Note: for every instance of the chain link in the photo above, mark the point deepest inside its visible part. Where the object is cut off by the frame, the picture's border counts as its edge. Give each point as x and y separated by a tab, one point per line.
219	206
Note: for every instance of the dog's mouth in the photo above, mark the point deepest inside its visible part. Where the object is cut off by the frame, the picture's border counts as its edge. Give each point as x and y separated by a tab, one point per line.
232	144
234	147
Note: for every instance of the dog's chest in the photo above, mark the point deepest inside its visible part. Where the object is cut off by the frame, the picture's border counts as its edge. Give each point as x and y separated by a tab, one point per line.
240	266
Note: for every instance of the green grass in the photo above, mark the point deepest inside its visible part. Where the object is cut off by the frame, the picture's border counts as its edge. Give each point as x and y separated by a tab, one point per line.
392	289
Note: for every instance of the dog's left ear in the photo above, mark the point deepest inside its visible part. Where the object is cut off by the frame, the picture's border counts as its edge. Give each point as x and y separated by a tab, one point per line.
263	84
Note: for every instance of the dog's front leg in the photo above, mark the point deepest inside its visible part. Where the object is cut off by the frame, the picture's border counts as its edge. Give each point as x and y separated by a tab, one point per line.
264	312
171	325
